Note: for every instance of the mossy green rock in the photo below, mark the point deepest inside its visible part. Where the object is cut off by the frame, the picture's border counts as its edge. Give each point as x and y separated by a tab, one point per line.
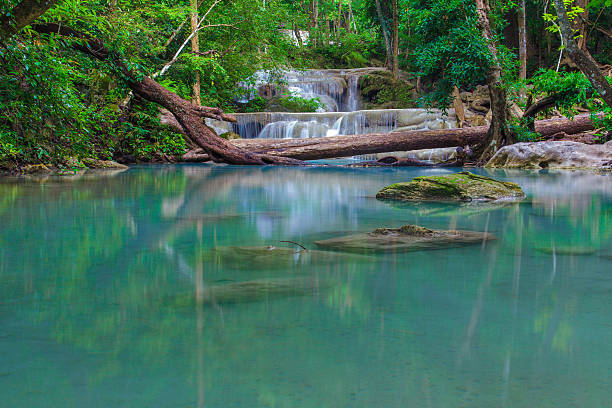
230	136
102	164
463	186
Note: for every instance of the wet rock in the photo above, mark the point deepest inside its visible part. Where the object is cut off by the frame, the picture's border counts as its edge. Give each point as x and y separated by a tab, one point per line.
463	186
36	169
403	239
553	154
271	257
433	155
606	255
230	136
567	250
252	291
103	164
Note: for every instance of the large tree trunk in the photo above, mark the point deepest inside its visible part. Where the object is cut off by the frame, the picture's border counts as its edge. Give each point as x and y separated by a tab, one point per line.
581	58
195	48
499	133
190	117
353	145
23	14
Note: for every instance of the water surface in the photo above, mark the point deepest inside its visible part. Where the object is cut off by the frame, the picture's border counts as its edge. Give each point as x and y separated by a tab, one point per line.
125	290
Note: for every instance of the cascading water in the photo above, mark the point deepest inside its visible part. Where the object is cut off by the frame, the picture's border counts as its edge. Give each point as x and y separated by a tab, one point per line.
338	90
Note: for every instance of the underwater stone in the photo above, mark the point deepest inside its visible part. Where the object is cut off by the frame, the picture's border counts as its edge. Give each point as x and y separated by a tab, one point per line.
403	239
463	186
272	257
252	291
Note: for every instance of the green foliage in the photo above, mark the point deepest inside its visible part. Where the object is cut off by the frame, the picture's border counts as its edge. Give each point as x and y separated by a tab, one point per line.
450	48
522	131
346	50
570	91
144	138
257	104
298	104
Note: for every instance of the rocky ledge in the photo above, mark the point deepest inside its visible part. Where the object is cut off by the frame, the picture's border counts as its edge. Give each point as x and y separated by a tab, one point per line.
463	186
554	155
69	167
403	239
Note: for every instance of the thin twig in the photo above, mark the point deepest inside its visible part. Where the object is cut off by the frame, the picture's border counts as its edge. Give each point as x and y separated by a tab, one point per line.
300	245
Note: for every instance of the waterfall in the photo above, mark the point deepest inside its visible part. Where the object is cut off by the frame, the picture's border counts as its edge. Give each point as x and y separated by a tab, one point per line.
280	125
338	90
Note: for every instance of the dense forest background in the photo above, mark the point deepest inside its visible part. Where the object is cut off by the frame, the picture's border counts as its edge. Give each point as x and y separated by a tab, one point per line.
58	104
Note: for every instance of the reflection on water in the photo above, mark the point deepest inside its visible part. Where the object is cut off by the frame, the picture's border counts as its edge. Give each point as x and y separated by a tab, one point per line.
170	286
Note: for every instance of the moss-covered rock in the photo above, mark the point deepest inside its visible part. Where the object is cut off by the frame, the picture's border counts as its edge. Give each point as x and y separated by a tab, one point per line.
36	169
463	186
403	239
230	136
379	90
102	164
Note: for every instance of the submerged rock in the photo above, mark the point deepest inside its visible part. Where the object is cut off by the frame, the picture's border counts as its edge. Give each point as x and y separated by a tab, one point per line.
567	250
252	291
403	239
271	257
463	186
554	155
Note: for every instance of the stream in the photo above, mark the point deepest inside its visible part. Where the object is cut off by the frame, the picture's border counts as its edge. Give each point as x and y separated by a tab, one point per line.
142	289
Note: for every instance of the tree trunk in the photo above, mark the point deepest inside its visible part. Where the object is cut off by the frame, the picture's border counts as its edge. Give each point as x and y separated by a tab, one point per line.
498	134
195	48
395	40
386	36
339	18
582	24
190	117
582	59
23	14
522	33
353	145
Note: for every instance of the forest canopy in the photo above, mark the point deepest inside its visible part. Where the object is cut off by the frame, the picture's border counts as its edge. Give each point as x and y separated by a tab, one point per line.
57	103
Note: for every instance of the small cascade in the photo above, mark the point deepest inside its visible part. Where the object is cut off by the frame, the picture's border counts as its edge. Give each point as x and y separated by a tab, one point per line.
337	90
280	125
352	93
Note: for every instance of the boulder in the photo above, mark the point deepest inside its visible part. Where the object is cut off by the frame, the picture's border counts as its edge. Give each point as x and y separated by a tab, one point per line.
271	257
252	291
432	155
36	169
403	239
103	164
554	155
463	186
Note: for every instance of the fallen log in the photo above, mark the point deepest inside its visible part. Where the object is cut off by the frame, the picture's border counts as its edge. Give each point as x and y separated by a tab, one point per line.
354	145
